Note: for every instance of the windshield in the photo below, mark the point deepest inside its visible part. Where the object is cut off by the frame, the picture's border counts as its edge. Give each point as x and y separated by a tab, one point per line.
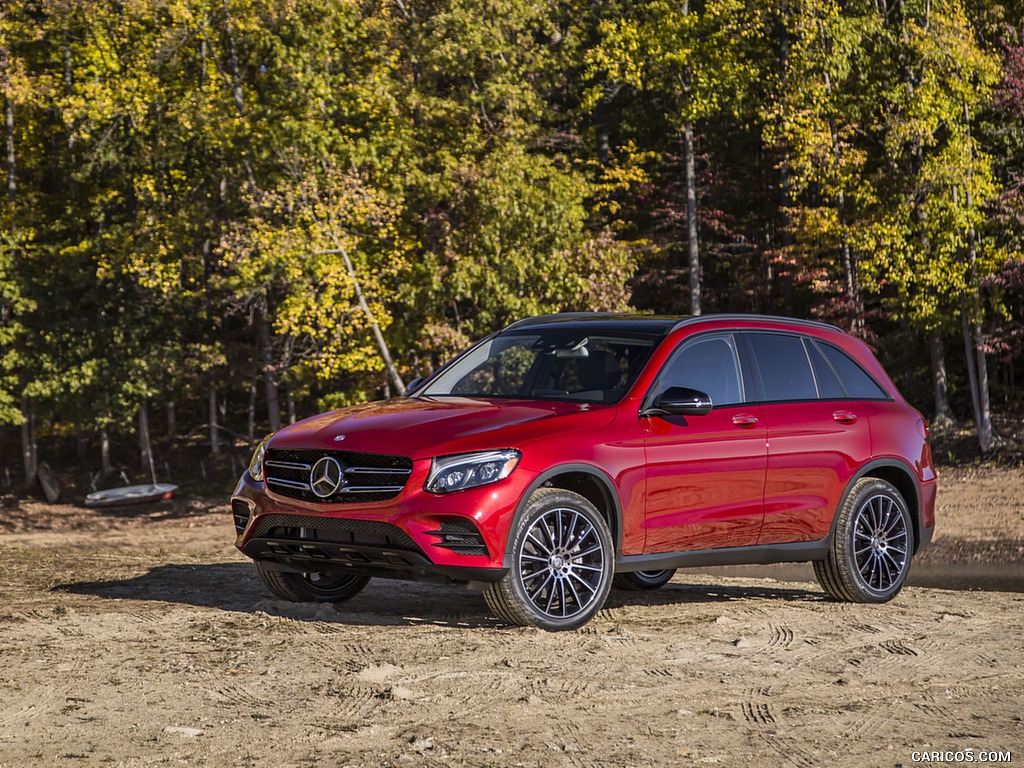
547	364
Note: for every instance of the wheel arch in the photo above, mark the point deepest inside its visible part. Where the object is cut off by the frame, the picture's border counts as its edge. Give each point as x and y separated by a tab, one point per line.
902	478
588	481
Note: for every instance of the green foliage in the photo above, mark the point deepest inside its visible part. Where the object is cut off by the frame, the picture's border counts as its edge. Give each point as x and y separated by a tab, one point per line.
877	115
694	59
285	258
186	175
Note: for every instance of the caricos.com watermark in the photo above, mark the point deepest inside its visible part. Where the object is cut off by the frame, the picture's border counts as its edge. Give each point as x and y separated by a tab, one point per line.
969	755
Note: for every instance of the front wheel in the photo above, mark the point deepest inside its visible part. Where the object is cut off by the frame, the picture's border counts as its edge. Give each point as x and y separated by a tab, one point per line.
311	587
562	564
872	547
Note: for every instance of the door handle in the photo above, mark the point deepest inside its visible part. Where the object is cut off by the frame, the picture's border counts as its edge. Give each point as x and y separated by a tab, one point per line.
744	420
845	417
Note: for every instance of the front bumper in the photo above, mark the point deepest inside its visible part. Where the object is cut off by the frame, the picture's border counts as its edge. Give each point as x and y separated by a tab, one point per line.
455	537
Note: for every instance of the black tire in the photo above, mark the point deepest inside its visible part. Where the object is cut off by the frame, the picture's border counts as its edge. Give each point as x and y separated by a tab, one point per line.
872	547
311	587
639	581
563	559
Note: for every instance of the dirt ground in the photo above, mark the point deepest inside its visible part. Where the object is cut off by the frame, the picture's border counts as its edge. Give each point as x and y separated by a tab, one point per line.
142	638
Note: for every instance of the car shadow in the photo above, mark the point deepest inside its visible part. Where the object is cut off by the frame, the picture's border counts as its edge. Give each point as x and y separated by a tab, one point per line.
960	576
235	587
698	591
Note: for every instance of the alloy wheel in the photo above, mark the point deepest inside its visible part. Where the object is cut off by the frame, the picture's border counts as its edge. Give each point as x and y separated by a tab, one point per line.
561	563
880	543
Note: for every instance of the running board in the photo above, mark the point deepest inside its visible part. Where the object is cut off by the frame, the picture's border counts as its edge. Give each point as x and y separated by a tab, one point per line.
800	552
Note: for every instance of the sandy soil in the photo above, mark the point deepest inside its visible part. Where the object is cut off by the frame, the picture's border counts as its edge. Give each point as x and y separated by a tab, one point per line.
143	638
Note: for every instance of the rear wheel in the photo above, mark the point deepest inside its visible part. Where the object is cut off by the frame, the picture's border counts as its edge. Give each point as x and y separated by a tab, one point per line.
637	581
311	587
872	547
562	563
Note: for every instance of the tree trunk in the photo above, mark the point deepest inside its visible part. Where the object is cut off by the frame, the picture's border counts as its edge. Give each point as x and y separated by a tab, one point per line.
854	313
172	420
106	467
214	426
12	179
291	408
943	416
786	234
986	432
692	252
29	447
269	374
785	182
251	422
145	444
972	326
385	353
972	376
854	310
977	372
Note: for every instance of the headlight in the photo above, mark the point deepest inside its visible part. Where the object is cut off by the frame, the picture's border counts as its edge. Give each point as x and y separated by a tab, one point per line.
256	463
468	470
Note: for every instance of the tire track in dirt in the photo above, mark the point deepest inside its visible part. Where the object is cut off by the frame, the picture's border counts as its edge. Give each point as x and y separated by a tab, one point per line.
932	710
241	697
781	637
758	714
761	673
353	702
899	648
870	725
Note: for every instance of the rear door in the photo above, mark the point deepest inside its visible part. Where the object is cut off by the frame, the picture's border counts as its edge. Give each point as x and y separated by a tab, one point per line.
817	436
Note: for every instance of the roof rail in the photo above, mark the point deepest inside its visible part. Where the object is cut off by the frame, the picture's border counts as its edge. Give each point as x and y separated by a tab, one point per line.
693	319
680	321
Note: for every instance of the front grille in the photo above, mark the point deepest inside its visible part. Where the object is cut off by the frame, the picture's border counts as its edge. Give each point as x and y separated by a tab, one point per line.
367	476
363	533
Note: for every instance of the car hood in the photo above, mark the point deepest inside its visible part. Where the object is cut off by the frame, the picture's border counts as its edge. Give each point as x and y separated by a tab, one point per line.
422	427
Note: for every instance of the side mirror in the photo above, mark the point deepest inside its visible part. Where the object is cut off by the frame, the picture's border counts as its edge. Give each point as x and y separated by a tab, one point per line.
681	401
412	385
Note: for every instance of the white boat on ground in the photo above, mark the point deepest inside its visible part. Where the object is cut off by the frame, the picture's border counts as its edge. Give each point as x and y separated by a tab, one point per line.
131	494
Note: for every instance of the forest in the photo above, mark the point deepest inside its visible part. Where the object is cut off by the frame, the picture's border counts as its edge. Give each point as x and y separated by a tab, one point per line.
223	215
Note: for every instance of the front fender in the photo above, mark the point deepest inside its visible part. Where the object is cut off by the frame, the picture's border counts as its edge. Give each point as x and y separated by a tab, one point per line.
585	479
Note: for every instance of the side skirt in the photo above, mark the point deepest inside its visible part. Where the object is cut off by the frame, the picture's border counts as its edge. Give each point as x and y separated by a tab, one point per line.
800	552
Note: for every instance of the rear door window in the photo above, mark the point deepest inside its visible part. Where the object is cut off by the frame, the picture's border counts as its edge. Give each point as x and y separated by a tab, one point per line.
784	366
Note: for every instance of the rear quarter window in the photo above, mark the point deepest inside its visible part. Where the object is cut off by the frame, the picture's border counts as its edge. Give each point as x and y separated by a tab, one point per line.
829	387
856	381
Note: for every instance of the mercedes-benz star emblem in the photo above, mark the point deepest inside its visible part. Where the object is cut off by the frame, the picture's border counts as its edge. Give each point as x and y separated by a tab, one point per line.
326	477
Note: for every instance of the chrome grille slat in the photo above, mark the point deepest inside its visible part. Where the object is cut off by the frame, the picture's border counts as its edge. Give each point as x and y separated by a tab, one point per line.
288	465
373	489
289	483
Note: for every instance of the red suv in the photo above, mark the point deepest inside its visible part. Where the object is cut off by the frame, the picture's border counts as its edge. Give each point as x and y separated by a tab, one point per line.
569	453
